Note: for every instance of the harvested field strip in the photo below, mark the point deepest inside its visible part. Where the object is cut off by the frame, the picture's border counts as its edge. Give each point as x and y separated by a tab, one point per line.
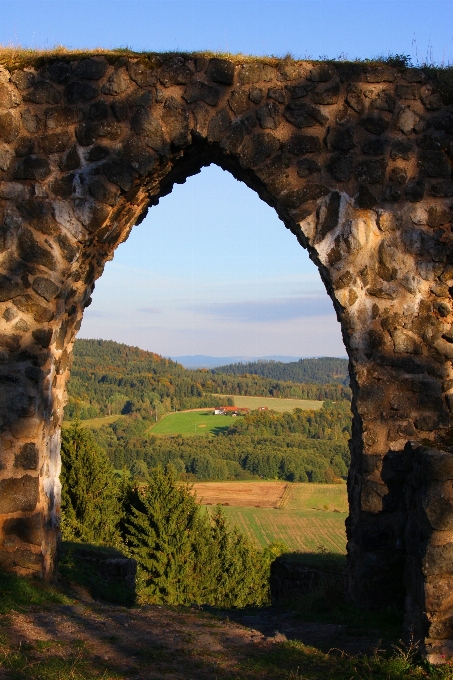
317	496
284	500
245	494
95	423
274	403
301	531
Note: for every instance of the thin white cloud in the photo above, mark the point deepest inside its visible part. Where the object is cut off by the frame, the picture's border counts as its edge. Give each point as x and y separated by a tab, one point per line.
283	309
149	310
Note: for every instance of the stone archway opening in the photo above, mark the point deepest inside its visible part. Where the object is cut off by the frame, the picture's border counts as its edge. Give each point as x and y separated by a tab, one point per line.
210	258
356	161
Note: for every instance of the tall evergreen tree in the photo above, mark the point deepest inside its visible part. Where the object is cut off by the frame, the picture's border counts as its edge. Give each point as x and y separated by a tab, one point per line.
241	572
184	555
89	499
169	538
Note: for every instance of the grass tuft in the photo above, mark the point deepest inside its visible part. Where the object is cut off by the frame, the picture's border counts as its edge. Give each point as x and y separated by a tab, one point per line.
17	592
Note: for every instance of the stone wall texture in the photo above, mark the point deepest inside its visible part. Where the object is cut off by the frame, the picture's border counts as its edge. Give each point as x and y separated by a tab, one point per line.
356	159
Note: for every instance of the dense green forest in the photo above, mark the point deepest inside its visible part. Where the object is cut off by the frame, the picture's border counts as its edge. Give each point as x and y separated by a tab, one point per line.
108	377
111	378
184	554
306	446
321	371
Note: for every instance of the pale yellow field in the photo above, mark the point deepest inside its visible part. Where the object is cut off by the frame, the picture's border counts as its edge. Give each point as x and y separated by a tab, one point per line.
94	423
306	532
274	403
244	494
310	518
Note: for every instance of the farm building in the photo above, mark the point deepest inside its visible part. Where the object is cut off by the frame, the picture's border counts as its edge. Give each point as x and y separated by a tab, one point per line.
230	411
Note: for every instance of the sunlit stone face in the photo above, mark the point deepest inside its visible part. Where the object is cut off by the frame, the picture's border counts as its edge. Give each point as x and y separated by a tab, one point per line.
355	159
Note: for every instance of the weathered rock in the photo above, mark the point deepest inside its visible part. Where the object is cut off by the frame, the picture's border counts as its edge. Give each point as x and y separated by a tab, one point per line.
220	71
62	116
9	288
119	173
45	288
435	164
31	251
23	79
307	167
43	93
26	529
32	167
18	494
175	72
198	91
27	458
59	72
269	116
340	139
117	83
300	144
141	74
92	69
340	167
87	145
376	124
150	128
303	115
254	73
78	93
371	171
9	126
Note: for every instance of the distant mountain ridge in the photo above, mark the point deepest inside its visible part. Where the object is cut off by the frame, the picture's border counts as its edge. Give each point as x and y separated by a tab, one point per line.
207	361
320	370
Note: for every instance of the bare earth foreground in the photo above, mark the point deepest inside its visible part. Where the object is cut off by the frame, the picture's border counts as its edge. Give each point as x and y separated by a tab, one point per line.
91	640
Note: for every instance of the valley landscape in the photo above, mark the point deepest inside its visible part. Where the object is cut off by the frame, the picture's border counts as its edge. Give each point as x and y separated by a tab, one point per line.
225	190
293	441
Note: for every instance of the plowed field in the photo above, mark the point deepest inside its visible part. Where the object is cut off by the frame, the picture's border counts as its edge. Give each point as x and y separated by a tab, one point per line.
246	494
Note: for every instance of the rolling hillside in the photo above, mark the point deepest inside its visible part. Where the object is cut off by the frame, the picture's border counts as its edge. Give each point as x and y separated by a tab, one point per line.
110	378
321	371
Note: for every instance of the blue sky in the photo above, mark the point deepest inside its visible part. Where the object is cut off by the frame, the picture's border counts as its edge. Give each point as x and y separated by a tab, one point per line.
212	270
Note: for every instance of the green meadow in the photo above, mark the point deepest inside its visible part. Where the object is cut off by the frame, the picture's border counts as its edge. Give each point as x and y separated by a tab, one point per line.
312	519
192	423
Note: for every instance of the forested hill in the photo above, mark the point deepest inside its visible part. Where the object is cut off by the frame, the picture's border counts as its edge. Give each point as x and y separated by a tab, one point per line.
108	378
320	371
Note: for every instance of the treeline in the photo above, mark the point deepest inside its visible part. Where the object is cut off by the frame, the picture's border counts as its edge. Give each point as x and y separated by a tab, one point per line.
322	370
184	554
256	386
111	378
303	446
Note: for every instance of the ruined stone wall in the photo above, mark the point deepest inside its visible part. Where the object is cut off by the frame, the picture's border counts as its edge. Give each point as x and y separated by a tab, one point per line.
356	160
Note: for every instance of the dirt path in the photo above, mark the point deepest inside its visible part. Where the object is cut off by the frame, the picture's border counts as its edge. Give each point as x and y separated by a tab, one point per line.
92	640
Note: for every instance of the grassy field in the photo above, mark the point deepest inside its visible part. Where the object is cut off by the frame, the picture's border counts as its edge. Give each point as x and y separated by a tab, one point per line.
312	518
191	423
245	494
274	403
95	423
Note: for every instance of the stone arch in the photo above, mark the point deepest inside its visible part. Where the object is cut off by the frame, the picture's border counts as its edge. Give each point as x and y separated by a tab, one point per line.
355	159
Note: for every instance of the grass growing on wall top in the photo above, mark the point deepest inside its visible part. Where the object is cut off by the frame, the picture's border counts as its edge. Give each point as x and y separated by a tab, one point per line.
17	57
